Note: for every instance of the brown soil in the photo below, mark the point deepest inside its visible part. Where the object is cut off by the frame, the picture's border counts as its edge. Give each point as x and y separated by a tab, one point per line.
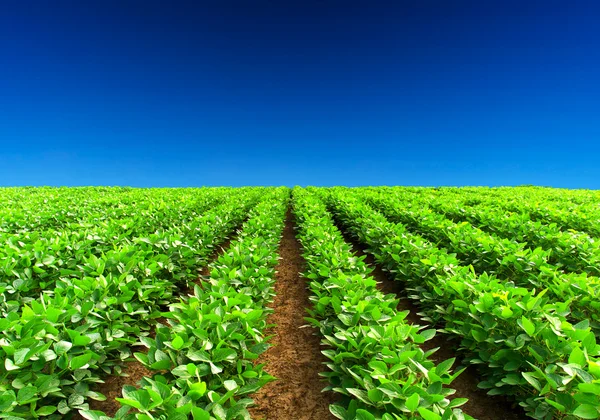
480	405
295	358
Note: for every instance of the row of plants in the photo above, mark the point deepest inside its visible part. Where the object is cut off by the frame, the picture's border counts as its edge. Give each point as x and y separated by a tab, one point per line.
45	208
375	361
33	262
73	320
502	257
72	209
521	341
569	250
204	359
546	208
561	196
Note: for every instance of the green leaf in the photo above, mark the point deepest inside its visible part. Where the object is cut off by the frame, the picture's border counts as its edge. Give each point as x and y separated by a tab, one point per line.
218	410
80	361
586	411
141	357
254	315
82	340
375	395
577	356
7	398
428	415
478	335
164	364
512	365
198	356
230	385
53	313
223	354
532	380
556	405
129	402
412	402
428	334
457	402
338	411
63	407
48	259
360	394
177	342
46	410
528	326
445	366
506	312
214	369
62	347
63	361
197	390
593	388
25	395
94	415
20	355
76	399
364	415
376	314
9	365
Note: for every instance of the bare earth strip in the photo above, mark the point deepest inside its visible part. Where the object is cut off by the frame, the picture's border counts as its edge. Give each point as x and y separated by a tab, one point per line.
295	358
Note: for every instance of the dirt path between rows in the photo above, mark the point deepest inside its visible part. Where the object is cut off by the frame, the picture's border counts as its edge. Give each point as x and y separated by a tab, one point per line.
295	357
480	405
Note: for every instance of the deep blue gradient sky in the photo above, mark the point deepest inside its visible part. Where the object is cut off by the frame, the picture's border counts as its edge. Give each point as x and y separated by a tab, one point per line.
157	93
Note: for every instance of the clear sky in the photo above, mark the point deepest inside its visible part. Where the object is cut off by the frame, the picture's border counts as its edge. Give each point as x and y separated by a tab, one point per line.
171	93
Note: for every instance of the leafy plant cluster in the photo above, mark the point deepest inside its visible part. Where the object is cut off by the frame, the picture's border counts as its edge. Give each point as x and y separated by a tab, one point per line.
375	360
204	359
561	196
571	251
547	206
523	342
505	258
46	209
73	303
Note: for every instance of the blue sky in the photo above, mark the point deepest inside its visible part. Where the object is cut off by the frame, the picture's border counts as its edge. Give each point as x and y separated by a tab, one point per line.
149	93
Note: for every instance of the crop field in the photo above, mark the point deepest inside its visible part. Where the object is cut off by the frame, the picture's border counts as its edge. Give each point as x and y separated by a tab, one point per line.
304	303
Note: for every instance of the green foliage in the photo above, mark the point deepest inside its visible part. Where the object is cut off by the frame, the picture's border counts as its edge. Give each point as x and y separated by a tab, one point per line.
78	292
86	272
503	257
523	341
375	361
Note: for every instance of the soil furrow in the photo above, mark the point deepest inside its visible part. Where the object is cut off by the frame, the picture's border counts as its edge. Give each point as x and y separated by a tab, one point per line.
295	358
480	405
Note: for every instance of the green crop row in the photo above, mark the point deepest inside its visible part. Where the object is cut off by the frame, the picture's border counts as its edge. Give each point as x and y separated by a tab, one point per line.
558	196
375	360
144	211
571	251
504	258
582	216
522	342
204	359
47	209
33	262
78	302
